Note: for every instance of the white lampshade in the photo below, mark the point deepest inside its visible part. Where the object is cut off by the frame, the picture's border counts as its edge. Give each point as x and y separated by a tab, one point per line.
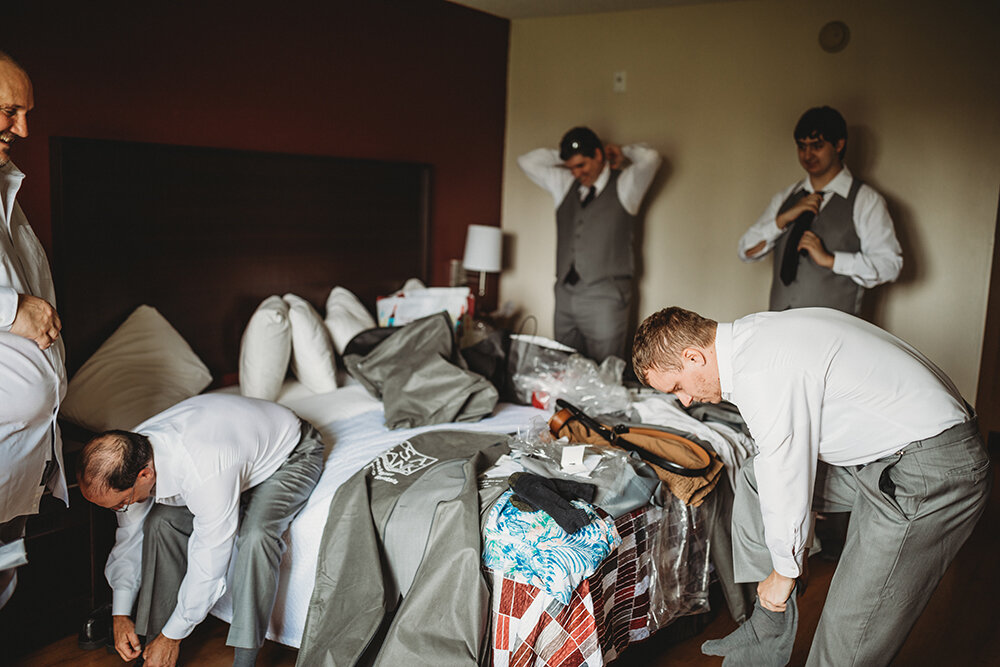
482	249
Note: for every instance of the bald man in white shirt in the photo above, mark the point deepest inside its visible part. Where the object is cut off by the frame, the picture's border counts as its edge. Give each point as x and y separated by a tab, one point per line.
32	372
846	417
214	473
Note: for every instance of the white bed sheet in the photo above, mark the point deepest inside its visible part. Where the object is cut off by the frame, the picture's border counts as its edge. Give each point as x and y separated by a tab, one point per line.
352	424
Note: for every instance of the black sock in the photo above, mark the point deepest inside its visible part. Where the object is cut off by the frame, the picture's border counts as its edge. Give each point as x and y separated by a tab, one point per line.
539	492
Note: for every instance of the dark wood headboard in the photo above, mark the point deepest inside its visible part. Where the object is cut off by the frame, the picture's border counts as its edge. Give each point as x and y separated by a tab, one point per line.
204	234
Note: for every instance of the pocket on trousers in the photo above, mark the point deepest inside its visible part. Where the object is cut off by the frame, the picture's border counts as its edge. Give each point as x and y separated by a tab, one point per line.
894	493
623	286
976	471
965	459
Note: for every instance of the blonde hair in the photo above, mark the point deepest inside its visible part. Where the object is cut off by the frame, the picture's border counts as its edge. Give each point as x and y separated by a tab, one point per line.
664	335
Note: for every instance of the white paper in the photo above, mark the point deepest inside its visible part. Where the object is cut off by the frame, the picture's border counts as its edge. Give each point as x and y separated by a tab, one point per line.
572	459
505	466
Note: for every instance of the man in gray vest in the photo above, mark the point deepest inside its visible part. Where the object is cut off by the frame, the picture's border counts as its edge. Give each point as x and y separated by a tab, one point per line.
831	234
597	190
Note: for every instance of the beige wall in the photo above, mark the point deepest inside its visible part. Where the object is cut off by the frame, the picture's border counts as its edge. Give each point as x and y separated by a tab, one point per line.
717	89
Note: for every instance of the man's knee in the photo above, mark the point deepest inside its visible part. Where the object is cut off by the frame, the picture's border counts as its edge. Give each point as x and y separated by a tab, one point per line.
256	540
167	524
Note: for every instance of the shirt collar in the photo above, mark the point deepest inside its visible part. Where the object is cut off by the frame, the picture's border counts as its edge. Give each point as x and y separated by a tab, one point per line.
166	481
600	183
724	357
841	183
10	183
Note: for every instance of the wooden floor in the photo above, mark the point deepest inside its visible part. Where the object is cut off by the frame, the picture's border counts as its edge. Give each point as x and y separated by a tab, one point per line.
960	626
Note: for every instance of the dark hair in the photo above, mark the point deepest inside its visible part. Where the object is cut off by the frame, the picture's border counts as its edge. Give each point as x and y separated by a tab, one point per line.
663	336
579	141
114	459
822	123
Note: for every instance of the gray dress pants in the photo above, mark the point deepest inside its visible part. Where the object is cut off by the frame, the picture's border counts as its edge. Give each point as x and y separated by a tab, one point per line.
593	319
266	512
910	513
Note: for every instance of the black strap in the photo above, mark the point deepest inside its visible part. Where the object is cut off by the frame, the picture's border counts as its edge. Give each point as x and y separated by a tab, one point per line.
615	438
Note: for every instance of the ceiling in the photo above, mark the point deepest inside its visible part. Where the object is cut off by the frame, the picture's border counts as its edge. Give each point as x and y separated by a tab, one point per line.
524	9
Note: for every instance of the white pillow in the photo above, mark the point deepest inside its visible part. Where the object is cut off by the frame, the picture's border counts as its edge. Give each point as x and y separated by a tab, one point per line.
346	317
265	349
142	369
412	284
312	349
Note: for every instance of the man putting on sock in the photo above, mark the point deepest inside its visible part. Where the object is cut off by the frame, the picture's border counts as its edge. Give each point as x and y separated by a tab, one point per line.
213	479
846	417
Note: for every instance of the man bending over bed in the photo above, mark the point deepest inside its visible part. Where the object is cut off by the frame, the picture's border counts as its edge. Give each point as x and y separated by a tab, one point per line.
847	417
213	478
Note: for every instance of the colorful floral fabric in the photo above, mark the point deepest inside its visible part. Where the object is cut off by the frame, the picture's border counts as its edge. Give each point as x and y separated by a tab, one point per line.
530	547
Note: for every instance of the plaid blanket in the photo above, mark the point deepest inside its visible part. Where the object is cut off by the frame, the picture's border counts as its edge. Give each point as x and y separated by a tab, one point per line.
614	607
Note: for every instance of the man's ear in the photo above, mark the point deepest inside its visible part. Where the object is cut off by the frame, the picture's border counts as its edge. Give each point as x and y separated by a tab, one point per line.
599	154
694	355
839	146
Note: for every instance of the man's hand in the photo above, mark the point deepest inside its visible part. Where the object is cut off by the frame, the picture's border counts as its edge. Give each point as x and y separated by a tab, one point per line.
126	641
814	246
755	250
775	591
36	320
613	154
162	652
810	202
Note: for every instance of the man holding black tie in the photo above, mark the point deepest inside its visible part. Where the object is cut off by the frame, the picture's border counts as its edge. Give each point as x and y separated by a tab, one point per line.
598	190
831	234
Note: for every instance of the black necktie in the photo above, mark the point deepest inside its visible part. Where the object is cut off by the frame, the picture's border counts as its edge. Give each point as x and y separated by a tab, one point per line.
790	259
590	196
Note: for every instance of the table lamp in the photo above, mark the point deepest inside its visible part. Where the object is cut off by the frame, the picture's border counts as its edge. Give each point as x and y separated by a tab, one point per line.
482	252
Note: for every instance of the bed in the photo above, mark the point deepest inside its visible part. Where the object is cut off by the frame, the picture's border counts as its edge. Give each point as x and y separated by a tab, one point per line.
203	235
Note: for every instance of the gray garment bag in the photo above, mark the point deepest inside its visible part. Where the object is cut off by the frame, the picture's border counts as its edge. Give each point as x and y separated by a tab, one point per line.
419	375
399	578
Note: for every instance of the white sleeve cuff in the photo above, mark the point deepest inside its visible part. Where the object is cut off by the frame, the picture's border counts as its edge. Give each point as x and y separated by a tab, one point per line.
8	307
176	628
122	601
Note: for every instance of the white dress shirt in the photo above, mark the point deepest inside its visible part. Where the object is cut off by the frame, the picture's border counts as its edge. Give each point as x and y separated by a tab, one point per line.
880	258
546	170
207	451
32	382
816	384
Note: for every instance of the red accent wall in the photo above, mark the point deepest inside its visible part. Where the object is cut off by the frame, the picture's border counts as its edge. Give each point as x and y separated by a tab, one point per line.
415	80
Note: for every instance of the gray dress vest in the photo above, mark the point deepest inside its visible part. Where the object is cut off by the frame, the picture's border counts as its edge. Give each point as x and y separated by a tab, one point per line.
815	285
596	240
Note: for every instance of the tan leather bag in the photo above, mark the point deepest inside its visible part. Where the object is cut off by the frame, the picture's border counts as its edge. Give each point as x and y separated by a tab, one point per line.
688	469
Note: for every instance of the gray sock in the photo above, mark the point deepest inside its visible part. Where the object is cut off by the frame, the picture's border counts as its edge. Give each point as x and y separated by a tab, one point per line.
245	657
764	640
741	636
